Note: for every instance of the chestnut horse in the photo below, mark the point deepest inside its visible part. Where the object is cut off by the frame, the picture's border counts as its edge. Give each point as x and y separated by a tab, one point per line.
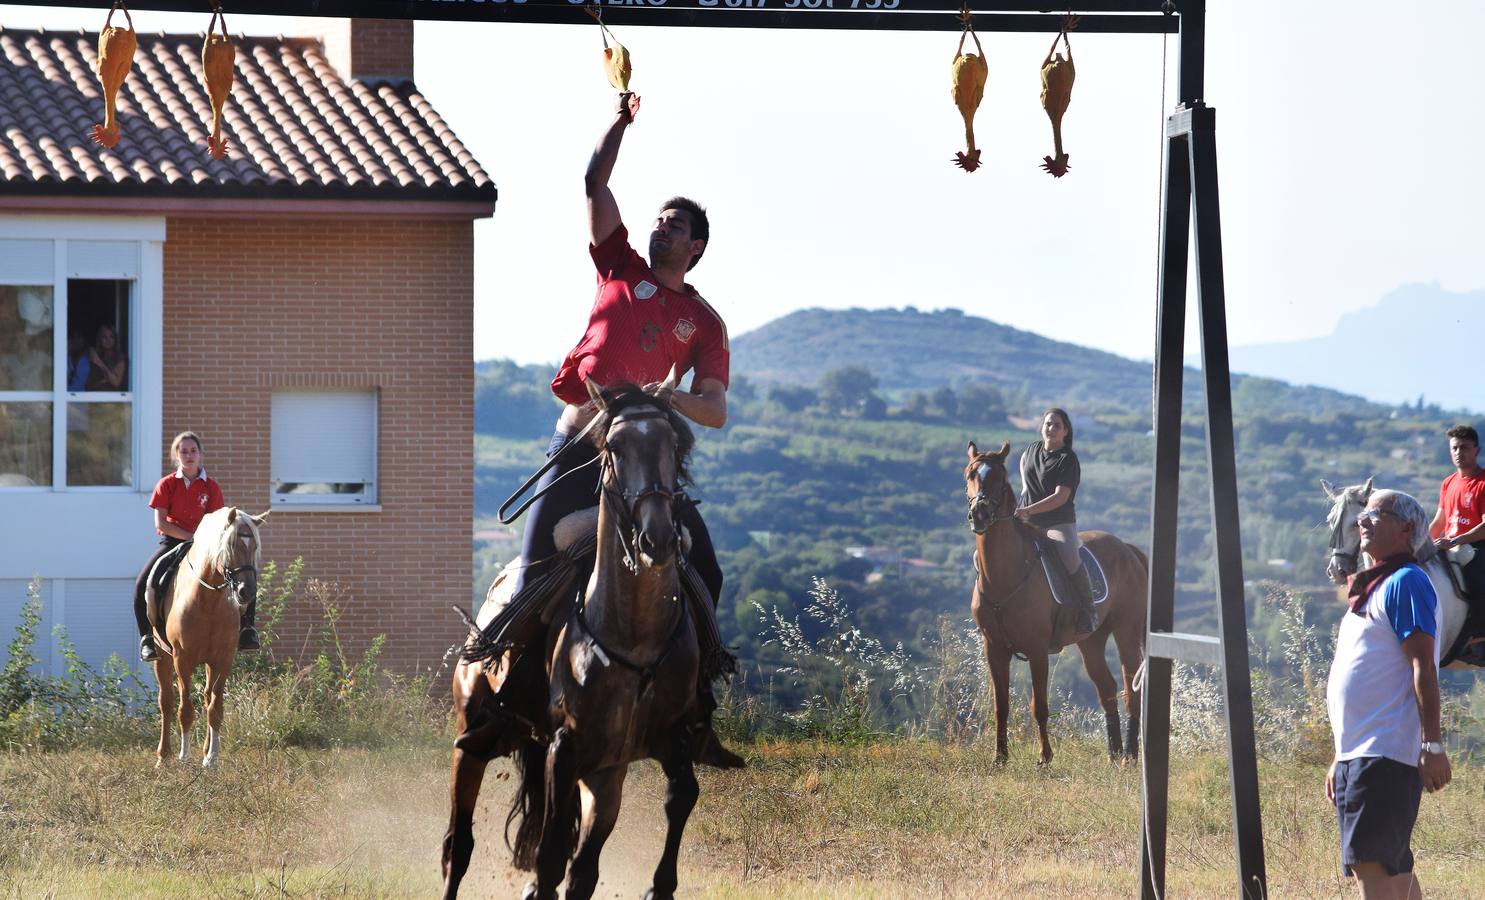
203	617
1014	608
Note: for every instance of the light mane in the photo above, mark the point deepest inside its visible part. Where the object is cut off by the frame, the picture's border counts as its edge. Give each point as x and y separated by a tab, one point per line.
217	537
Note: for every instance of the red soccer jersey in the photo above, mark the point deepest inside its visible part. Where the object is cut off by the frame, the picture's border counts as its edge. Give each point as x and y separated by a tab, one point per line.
638	328
1463	501
185	505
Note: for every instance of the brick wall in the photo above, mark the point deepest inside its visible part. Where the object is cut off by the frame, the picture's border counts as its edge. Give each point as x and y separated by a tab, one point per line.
370	48
252	306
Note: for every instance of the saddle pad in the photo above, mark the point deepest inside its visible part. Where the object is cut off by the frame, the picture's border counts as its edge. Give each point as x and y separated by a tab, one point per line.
1057	579
164	570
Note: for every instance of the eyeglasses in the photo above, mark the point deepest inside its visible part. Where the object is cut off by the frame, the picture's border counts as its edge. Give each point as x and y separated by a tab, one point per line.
1375	516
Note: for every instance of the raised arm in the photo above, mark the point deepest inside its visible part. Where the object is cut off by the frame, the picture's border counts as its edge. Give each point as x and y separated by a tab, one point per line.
603	209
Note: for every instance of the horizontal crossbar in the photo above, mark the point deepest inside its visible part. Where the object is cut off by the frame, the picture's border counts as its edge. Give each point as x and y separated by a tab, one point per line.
1196	648
1113	17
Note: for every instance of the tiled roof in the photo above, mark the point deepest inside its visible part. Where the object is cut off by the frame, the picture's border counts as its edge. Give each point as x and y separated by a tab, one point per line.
296	129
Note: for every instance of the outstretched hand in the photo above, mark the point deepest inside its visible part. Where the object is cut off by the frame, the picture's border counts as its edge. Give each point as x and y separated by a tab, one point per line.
628	105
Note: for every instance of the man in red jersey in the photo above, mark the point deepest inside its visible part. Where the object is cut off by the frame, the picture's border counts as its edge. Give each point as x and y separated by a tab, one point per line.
1460	518
646	321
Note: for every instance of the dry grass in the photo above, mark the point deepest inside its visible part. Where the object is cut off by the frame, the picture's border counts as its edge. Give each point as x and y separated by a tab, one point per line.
806	820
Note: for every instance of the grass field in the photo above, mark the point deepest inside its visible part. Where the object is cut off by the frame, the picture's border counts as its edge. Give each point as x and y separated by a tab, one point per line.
894	819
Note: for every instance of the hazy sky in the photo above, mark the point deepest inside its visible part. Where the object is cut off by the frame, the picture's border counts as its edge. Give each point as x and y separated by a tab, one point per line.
1349	140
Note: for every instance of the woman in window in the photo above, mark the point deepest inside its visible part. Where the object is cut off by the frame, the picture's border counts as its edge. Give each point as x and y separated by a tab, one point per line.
109	371
180	501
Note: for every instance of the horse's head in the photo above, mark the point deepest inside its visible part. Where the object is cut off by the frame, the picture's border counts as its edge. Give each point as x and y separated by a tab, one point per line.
235	551
645	446
1345	535
987	484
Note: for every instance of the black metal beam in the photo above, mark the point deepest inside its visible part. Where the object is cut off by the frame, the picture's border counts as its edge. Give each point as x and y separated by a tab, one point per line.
1117	17
1170	339
1237	688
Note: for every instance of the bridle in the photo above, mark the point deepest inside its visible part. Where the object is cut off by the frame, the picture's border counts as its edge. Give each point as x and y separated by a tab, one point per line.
230	577
1337	534
984	469
624	504
998	511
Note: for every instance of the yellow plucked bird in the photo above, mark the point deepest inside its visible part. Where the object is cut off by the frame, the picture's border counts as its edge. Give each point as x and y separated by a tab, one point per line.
115	58
218	62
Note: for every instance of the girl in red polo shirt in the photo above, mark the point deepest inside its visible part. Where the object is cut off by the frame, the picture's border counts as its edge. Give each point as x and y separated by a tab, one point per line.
180	501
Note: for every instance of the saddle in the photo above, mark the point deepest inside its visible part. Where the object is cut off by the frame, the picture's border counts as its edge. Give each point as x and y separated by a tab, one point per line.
1469	647
1057	576
510	620
157	585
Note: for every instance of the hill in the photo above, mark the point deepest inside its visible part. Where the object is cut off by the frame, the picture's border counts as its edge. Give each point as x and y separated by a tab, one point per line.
842	459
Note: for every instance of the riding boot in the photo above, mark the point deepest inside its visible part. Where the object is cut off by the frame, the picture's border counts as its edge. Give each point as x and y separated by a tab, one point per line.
706	747
147	651
248	638
1082	588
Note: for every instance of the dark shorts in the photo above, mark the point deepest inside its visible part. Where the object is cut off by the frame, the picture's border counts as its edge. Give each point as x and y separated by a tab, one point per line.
1376	800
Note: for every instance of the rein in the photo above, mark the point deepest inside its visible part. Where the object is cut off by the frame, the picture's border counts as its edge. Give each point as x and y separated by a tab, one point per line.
606	653
230	576
507	517
997	604
624	504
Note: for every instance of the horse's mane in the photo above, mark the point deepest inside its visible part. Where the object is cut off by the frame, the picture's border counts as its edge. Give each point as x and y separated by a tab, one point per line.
1338	506
218	546
624	396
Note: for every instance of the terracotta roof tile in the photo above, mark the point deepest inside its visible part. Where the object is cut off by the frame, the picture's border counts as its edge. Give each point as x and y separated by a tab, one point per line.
296	129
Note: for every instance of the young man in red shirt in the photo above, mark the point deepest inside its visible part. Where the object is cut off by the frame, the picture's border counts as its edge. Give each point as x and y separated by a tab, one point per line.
1460	518
646	321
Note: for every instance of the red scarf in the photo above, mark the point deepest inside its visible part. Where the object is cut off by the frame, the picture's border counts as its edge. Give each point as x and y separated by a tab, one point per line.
1364	582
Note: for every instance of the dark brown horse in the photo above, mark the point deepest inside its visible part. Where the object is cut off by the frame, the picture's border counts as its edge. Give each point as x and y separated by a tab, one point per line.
615	682
624	664
1015	610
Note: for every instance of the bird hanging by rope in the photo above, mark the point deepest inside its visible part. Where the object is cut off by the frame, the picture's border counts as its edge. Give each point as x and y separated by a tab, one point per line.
970	73
1057	84
616	62
115	58
218	60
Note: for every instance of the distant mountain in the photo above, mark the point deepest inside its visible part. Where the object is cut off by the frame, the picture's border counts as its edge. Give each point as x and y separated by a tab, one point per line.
910	350
1420	341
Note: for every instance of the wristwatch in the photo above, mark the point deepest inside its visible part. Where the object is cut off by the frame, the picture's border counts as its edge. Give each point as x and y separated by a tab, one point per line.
1434	747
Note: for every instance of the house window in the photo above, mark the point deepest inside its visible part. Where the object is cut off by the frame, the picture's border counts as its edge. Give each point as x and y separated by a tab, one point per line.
323	448
67	389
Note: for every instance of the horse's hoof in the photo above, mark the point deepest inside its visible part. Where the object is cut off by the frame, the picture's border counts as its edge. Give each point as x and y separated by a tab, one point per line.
651	895
531	892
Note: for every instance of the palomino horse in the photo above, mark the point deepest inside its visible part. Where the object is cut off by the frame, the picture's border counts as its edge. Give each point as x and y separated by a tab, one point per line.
1345	555
1014	607
203	616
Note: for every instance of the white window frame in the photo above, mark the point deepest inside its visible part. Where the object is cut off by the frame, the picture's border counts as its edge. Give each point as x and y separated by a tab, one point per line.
370	501
146	318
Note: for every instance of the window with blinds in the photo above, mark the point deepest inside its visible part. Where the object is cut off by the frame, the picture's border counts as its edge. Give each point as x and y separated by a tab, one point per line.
323	447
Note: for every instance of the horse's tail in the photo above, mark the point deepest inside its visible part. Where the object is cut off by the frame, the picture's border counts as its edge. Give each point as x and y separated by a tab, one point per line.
528	808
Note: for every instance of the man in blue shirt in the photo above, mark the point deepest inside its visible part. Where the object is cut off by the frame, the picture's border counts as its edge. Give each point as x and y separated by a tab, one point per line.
1383	698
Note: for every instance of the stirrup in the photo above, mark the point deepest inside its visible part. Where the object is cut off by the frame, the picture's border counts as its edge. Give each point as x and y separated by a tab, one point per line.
248	639
147	651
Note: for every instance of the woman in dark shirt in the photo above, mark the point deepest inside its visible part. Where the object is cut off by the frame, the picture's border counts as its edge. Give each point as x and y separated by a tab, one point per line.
1050	473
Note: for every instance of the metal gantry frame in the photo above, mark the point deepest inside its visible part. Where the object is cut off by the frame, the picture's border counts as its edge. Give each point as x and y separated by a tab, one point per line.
1190	190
